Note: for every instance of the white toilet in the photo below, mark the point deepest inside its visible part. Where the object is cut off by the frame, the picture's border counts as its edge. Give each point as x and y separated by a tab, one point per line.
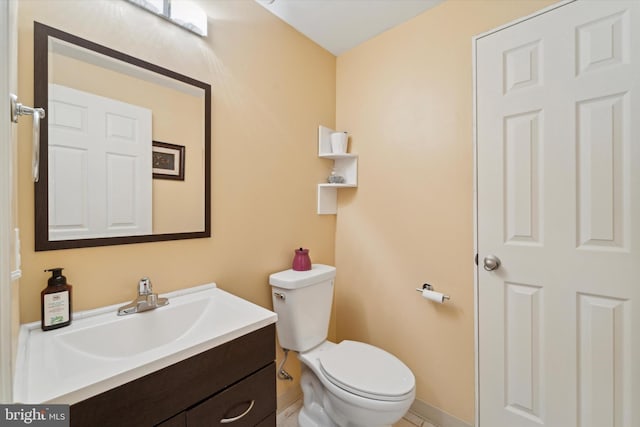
350	384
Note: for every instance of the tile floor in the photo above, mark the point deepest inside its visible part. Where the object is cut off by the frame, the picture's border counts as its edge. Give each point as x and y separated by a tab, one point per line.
289	418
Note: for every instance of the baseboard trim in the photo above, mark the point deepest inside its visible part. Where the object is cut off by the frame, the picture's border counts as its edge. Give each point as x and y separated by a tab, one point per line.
436	416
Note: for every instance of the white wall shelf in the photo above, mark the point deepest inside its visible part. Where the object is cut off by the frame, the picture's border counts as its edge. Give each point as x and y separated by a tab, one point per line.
337	185
337	156
344	164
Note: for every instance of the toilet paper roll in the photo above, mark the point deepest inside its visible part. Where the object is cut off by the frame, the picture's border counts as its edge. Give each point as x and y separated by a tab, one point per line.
433	296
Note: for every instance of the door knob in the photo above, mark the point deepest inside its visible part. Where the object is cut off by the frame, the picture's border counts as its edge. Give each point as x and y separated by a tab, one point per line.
491	262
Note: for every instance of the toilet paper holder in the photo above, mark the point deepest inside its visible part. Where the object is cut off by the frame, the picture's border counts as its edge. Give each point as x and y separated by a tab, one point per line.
428	287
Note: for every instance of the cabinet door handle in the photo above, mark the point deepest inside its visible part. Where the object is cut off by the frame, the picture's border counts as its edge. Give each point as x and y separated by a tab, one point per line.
230	420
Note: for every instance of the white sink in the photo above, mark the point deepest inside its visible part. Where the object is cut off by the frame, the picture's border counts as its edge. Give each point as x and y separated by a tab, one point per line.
101	350
126	336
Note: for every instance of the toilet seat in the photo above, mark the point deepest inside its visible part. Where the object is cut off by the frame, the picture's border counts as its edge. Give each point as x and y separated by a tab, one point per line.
367	371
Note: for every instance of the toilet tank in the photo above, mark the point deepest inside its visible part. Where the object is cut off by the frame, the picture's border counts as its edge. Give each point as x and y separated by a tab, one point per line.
303	302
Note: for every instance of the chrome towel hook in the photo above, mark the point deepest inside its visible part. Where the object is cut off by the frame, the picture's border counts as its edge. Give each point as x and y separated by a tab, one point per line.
17	109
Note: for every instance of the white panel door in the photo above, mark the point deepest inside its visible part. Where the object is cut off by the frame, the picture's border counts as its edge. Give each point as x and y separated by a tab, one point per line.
99	166
558	202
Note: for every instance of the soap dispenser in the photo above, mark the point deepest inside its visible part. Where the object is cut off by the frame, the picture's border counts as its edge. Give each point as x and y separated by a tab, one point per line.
56	301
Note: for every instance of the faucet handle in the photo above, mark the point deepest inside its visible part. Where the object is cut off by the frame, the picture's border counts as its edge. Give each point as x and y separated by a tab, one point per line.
144	286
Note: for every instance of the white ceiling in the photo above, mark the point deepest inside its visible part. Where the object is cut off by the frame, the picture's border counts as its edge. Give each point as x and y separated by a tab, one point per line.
339	25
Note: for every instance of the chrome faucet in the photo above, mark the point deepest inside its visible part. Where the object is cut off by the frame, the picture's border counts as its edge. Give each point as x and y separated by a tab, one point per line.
145	301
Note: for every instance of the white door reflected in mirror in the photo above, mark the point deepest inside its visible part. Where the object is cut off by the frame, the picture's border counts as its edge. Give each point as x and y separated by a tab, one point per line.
99	166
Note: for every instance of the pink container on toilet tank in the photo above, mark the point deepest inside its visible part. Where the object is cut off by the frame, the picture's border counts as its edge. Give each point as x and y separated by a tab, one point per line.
301	260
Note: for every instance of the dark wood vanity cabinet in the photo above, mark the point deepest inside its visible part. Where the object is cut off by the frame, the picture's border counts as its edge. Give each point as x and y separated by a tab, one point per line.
233	384
245	403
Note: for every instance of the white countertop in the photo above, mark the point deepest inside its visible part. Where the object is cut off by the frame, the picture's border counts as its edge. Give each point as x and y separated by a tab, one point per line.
101	350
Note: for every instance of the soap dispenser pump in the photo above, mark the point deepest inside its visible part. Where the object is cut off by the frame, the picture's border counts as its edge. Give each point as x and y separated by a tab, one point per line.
56	301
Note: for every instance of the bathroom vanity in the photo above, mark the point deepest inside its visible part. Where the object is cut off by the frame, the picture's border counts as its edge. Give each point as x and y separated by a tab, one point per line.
205	359
219	384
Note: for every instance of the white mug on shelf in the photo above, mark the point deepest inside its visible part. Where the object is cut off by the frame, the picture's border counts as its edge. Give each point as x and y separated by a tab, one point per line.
339	142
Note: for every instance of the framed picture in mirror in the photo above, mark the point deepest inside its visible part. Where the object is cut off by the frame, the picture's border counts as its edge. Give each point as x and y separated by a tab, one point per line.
168	161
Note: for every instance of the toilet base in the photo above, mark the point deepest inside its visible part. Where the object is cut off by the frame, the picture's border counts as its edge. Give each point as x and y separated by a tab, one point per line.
305	419
312	413
319	407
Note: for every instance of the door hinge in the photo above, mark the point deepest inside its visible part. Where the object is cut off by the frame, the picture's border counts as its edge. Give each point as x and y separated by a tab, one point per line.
476	259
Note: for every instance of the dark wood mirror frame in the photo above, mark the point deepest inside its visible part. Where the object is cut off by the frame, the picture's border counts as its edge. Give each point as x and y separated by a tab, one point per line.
41	97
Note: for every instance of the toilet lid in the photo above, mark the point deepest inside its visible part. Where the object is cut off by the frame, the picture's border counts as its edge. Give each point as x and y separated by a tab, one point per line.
367	371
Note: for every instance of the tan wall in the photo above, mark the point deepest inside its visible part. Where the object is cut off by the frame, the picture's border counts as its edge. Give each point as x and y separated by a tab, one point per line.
177	118
271	87
406	99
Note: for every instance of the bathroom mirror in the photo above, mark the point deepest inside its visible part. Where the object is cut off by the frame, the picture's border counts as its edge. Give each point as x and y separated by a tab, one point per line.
125	147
